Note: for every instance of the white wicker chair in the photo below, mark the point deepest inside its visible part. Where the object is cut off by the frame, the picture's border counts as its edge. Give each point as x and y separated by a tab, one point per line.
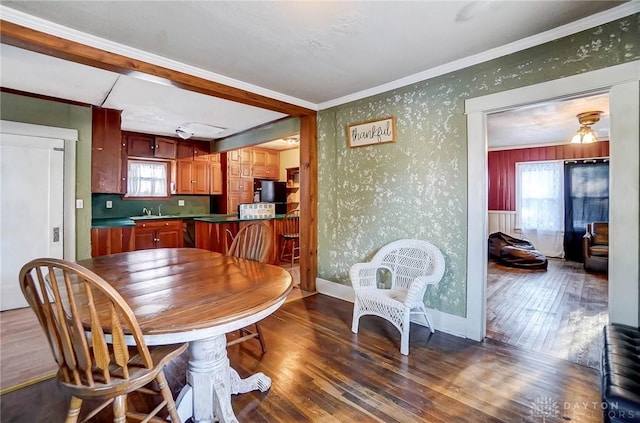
413	265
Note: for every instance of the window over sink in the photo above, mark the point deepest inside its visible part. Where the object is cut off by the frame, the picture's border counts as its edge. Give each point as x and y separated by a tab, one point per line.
147	178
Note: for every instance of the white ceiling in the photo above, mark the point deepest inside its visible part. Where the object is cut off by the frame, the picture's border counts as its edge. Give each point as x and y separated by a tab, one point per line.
313	53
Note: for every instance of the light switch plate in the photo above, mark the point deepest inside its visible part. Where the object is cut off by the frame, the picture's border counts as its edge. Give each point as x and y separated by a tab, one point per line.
181	203
79	203
109	204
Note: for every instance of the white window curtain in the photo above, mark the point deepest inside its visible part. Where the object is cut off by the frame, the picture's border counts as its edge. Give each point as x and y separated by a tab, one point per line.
146	179
540	205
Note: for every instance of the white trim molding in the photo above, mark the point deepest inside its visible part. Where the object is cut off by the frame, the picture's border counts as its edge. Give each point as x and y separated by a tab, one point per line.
621	82
444	322
583	24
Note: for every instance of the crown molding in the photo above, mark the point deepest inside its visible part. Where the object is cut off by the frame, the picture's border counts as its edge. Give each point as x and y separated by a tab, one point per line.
38	24
553	34
51	28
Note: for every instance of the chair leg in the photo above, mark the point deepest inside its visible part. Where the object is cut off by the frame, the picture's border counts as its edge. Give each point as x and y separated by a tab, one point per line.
120	409
356	316
404	336
167	397
283	249
428	318
263	345
74	410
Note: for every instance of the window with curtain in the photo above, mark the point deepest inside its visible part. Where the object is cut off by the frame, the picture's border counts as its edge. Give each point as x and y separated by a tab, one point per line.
147	179
540	205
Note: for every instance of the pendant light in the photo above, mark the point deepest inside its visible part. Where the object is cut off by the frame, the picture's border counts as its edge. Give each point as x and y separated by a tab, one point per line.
585	134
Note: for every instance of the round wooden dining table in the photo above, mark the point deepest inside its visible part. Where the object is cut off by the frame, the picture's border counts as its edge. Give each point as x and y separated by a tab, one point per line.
197	296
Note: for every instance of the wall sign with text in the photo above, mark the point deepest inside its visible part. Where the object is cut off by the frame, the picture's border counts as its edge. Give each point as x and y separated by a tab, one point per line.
372	132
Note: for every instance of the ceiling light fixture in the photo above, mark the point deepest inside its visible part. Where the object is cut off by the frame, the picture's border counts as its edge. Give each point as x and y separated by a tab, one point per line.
293	140
183	134
585	134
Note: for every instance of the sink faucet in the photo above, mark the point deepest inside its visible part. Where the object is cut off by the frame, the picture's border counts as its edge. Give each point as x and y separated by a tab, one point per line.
159	209
148	211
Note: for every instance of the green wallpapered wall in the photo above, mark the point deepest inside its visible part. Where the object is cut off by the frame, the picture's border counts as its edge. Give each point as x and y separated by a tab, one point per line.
416	188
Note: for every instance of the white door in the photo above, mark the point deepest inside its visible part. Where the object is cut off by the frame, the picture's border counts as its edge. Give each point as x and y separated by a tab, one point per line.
31	208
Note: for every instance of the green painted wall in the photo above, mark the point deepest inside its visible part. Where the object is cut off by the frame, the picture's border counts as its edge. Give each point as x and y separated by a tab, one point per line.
36	111
416	188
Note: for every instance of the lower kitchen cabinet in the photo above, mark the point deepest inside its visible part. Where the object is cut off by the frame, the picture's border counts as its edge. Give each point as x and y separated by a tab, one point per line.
158	234
111	240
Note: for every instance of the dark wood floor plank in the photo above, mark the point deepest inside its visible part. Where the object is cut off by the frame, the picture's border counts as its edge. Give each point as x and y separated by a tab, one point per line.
322	372
559	312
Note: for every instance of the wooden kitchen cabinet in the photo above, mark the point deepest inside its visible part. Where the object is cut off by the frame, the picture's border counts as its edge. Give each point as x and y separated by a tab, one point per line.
151	234
165	148
188	150
241	156
238	163
192	177
266	163
201	151
106	151
112	240
239	190
216	186
145	145
140	145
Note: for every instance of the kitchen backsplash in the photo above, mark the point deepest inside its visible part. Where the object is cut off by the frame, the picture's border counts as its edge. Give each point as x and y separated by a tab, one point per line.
193	204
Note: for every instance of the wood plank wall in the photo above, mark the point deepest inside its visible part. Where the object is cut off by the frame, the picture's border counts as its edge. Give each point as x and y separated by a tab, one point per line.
502	167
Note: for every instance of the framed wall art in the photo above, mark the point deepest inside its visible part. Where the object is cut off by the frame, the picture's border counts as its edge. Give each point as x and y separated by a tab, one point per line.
377	131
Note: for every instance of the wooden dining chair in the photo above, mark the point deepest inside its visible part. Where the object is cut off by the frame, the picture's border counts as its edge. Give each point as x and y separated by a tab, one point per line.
290	236
96	341
252	242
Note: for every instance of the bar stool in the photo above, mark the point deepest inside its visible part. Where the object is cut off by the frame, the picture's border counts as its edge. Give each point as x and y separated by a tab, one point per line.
290	236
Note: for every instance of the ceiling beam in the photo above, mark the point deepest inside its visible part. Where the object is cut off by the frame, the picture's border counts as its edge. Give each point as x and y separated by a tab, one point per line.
51	45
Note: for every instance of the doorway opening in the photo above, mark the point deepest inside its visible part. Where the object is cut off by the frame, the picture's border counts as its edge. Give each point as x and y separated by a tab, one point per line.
622	84
558	309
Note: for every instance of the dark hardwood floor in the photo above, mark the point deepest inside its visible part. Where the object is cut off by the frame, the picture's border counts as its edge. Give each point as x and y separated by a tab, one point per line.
560	312
324	373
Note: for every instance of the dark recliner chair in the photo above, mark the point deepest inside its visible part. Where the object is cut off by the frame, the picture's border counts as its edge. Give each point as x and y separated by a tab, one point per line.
595	246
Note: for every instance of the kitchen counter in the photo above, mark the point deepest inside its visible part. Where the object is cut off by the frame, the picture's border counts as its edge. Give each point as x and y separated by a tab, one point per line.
209	218
230	218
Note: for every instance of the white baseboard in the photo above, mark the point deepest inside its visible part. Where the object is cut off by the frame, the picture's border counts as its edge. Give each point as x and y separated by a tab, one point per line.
444	322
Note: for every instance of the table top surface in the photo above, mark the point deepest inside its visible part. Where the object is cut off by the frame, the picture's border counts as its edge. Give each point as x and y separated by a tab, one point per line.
176	290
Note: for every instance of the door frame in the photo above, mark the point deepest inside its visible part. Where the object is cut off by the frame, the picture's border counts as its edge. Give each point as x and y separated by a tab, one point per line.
70	137
623	84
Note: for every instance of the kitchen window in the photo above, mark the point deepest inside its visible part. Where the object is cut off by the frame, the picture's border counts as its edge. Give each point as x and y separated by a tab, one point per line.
147	179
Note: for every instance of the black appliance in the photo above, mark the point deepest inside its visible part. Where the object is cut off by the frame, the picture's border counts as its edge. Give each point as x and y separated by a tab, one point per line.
269	191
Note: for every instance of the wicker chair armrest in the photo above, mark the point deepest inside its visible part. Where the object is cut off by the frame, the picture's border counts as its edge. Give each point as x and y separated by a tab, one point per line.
363	275
417	289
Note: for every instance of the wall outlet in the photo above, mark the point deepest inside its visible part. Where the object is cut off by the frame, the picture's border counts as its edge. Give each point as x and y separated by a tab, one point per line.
109	204
79	203
180	203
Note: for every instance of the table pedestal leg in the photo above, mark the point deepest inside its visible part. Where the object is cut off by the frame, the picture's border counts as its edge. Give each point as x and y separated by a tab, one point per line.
211	381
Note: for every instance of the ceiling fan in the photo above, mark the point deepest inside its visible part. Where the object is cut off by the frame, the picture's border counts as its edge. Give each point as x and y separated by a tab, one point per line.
188	129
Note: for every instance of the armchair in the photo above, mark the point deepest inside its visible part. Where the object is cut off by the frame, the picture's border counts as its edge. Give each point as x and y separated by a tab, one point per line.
595	247
413	265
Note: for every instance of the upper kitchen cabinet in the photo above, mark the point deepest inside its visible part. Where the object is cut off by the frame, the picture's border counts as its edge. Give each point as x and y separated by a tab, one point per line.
106	152
238	163
145	145
188	150
266	163
165	148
